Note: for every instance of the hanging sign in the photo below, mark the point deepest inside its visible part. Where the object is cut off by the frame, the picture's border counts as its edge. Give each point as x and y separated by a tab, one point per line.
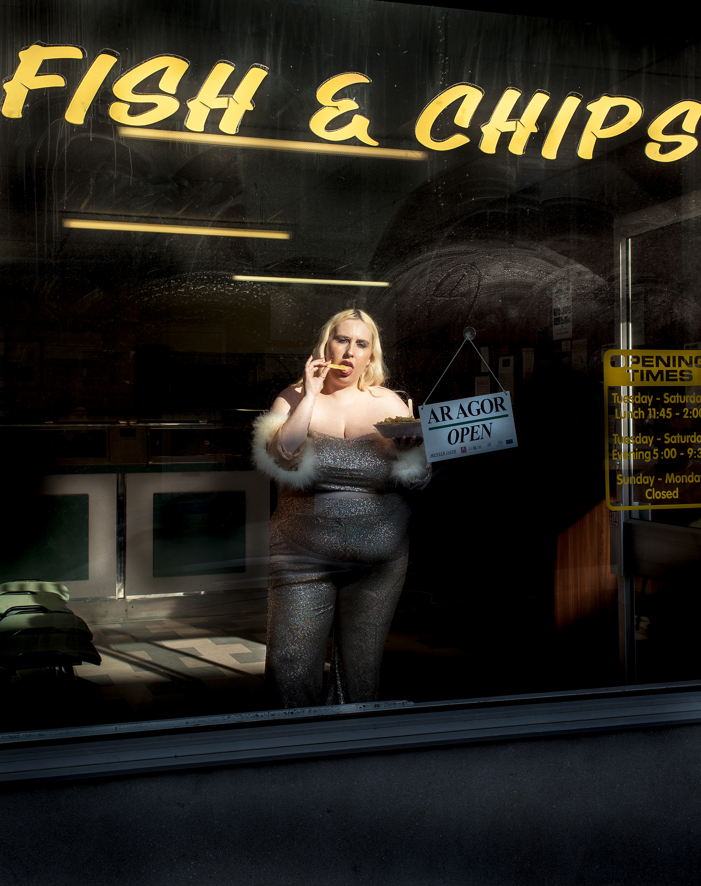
468	426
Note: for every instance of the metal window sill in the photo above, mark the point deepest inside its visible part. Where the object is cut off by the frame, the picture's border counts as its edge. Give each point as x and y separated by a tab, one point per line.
267	736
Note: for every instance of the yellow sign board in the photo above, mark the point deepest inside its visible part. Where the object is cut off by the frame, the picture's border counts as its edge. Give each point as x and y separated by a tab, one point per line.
653	429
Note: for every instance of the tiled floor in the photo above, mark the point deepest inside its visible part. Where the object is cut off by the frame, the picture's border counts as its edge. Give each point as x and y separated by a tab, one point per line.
143	662
169	668
150	670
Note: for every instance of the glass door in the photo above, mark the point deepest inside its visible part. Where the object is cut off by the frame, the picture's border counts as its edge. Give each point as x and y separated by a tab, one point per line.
659	427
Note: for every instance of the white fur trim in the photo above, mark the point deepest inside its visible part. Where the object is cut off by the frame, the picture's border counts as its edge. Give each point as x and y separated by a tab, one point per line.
302	476
411	467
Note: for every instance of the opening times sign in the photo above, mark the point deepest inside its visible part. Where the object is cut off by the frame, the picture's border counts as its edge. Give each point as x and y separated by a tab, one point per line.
653	429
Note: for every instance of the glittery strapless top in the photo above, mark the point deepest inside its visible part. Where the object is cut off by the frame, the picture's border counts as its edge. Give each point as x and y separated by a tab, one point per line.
352	465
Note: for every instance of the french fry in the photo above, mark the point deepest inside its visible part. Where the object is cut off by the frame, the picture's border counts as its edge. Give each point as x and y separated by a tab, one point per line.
336	366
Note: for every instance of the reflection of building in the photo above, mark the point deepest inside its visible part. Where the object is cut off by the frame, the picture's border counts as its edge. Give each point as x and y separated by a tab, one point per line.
133	360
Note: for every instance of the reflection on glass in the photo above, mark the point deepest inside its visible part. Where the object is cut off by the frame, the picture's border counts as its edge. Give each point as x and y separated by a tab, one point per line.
161	286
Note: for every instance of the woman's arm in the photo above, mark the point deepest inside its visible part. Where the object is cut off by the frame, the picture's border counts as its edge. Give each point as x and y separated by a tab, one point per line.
410	470
280	447
294	431
291	470
402	444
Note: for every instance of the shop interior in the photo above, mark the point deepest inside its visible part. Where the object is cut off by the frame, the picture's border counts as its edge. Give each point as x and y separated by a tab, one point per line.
135	361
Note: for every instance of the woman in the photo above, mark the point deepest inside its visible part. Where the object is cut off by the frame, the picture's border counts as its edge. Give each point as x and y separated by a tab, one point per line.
338	538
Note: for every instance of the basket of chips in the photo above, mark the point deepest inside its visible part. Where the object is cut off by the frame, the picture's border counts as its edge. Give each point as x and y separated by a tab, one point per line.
400	426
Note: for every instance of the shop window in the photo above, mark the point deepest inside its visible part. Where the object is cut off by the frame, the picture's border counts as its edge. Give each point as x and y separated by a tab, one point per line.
171	250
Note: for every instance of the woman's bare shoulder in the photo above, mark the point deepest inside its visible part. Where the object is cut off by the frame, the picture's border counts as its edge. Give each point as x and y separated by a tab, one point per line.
386	394
389	398
287	400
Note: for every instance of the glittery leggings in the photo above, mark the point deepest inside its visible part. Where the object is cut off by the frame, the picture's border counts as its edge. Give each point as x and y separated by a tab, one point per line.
335	564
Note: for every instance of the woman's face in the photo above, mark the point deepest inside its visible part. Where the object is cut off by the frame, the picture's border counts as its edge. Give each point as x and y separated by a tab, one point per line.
351	346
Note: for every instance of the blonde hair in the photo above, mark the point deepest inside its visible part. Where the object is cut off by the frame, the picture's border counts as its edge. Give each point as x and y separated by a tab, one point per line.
375	372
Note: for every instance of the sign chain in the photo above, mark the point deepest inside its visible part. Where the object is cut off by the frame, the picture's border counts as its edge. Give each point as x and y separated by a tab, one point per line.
479	354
